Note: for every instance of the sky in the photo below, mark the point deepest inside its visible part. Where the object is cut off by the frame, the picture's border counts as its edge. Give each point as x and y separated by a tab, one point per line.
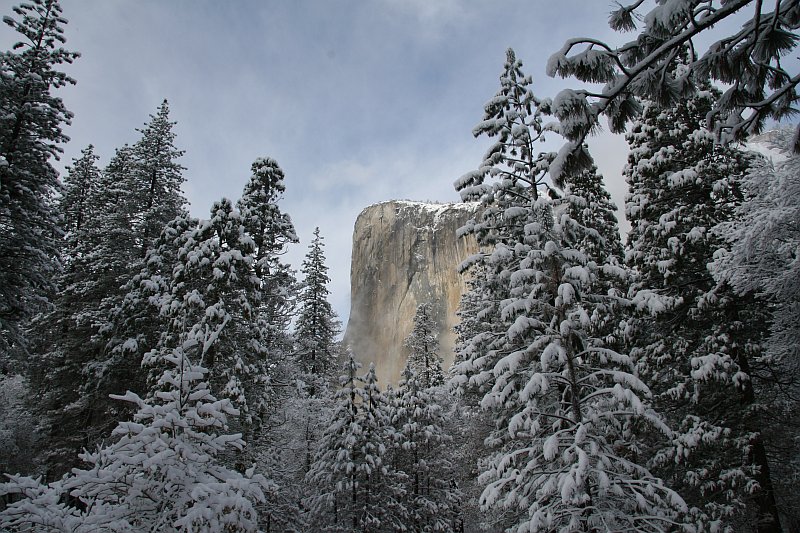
359	101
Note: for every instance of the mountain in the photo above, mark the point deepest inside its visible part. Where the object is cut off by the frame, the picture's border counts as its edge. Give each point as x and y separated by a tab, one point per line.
405	253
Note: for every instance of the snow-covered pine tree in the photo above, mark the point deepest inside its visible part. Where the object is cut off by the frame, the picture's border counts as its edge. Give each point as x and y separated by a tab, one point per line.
287	454
114	224
593	208
760	258
156	178
317	326
80	366
762	238
357	489
82	180
213	288
701	352
144	211
306	407
514	117
30	133
468	424
423	348
140	319
161	471
129	322
421	450
333	469
747	56
566	405
272	232
63	337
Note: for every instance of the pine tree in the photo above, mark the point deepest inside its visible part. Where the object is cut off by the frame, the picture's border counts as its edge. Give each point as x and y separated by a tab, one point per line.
762	237
80	184
140	320
155	178
116	242
317	326
202	281
358	490
759	258
272	232
652	66
421	451
81	367
161	470
515	117
566	404
701	353
30	133
593	209
423	348
64	343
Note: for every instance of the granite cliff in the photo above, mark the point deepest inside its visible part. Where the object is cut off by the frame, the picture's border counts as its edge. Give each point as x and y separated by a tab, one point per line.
404	253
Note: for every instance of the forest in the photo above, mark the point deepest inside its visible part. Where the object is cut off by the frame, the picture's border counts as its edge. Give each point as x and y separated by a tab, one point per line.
160	372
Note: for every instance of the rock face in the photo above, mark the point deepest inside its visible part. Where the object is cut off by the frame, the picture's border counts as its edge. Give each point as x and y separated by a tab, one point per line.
404	254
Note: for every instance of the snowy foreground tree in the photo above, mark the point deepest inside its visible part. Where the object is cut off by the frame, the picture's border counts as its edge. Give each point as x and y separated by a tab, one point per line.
761	258
30	133
750	45
161	471
104	216
701	352
568	408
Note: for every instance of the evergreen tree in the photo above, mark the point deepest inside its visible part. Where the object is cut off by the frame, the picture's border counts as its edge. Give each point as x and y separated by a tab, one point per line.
317	326
652	66
272	232
593	209
762	239
515	118
760	258
63	337
421	451
113	224
81	367
423	348
287	453
358	490
566	404
200	280
160	472
702	351
31	124
217	276
155	178
82	180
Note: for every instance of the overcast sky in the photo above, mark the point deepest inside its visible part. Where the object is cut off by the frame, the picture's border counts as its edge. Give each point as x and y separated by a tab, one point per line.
359	101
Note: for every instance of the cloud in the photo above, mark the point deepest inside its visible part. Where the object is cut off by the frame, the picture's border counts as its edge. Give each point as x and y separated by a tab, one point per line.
359	102
341	189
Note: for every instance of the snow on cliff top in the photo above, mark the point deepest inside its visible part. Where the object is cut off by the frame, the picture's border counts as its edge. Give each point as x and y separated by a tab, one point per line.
435	209
430	207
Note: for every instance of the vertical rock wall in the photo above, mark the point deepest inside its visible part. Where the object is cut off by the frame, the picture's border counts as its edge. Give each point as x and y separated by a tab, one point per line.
404	253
